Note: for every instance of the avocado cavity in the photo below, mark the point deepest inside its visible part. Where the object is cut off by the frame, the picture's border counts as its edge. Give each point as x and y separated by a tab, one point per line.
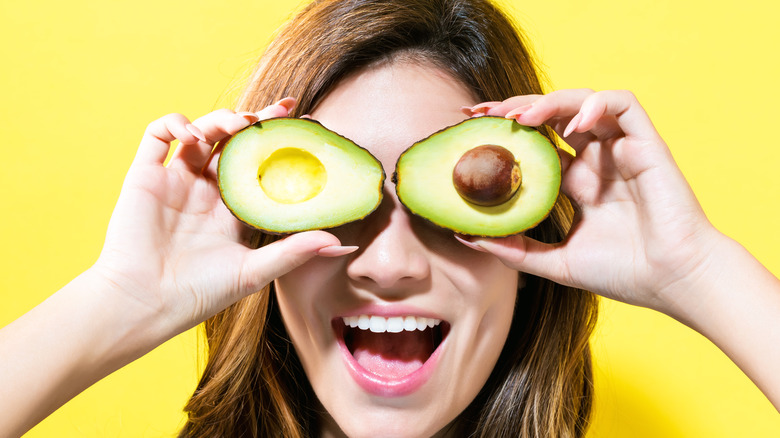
292	175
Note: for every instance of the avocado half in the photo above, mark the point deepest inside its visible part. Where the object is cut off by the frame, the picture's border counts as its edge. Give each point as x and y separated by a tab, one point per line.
424	178
286	175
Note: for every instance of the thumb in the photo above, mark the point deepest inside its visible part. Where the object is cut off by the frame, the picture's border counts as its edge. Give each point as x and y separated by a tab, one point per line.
269	262
525	255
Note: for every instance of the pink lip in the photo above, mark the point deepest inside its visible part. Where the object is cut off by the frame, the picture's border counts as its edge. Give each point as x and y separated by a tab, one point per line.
380	385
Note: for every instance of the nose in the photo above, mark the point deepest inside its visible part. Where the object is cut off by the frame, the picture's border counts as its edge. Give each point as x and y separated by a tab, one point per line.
392	257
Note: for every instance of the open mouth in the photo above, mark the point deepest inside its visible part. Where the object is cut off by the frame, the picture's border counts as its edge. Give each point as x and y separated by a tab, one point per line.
390	352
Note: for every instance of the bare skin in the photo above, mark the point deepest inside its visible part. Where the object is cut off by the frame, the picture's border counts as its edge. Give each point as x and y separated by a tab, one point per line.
640	235
174	256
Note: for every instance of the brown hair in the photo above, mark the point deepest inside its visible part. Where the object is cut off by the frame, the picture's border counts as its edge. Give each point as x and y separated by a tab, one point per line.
253	384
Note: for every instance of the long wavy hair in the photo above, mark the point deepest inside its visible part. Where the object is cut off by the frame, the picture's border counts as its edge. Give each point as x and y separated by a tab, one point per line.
253	384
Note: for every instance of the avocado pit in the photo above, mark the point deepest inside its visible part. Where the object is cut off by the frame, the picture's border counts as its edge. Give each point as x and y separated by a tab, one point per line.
487	175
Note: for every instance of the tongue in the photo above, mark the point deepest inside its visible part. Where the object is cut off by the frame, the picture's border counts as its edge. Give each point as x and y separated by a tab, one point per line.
392	355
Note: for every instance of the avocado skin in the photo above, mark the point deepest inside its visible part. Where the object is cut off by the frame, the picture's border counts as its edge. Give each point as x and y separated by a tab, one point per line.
329	219
429	162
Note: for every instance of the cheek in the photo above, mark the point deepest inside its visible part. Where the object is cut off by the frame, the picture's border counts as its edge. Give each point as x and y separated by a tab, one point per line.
499	306
308	282
306	296
486	310
497	301
484	281
293	290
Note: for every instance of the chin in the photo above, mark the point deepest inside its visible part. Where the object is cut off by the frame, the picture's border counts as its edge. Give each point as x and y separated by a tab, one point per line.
378	422
410	383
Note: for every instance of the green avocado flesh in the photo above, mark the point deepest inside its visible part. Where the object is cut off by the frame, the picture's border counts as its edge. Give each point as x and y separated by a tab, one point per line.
424	178
286	175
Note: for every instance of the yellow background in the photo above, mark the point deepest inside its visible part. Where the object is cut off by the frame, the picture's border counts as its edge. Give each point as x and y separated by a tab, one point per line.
81	79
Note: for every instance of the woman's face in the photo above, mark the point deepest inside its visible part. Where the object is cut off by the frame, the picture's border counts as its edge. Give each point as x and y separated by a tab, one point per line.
372	379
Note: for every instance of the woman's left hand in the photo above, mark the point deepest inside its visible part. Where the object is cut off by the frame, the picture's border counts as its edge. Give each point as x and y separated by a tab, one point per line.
639	234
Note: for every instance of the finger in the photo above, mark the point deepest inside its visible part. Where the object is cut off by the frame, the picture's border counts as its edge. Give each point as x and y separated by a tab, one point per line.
212	128
624	106
281	108
554	109
512	103
527	255
210	168
479	109
158	136
566	160
559	110
498	108
221	123
272	261
554	105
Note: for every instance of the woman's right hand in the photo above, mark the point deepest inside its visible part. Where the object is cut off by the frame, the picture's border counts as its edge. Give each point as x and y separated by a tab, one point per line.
172	247
173	256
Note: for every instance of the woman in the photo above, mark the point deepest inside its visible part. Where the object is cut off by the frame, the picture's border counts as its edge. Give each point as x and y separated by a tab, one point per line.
379	57
511	363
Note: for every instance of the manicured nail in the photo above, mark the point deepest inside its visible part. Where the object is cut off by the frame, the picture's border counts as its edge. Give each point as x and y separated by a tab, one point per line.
250	117
483	108
572	125
467	110
288	103
519	111
471	245
336	251
195	132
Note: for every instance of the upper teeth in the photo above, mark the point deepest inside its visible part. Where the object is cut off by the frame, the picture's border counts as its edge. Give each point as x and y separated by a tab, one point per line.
394	324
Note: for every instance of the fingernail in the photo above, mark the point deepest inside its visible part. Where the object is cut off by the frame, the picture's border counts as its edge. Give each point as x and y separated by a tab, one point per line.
471	245
572	125
336	251
195	132
306	116
483	108
250	117
288	103
467	110
517	112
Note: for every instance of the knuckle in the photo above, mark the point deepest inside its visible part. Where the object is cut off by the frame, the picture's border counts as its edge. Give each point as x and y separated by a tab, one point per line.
602	94
168	119
174	117
609	98
223	112
154	127
595	99
213	117
161	127
626	95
